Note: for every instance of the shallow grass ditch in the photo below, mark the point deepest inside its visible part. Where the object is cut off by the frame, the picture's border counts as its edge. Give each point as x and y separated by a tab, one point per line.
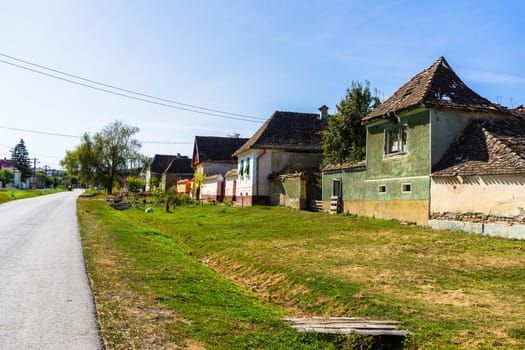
220	277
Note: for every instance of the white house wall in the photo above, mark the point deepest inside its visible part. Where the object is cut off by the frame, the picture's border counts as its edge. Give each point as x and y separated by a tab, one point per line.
246	183
229	187
501	196
211	188
266	162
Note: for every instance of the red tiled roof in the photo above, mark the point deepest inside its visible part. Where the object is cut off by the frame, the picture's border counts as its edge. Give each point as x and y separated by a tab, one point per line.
486	147
346	166
436	87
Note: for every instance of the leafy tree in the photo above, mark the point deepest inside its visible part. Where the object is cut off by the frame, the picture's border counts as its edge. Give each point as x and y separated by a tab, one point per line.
105	157
6	176
344	139
198	180
135	184
154	182
45	180
20	159
234	135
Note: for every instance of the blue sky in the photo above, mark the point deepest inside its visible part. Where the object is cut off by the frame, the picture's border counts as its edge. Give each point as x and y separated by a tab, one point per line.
247	57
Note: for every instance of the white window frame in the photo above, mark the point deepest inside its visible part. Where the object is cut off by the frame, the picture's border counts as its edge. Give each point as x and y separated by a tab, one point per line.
403	187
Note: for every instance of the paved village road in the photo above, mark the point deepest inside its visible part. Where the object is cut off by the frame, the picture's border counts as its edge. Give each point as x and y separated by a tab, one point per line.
45	298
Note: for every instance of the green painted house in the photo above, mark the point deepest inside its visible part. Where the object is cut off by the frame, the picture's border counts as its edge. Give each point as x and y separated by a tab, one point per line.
407	135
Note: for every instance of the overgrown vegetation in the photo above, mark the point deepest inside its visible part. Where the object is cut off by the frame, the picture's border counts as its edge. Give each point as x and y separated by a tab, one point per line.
453	290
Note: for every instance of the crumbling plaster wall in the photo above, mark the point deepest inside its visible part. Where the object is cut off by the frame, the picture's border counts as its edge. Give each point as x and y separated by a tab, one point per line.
478	198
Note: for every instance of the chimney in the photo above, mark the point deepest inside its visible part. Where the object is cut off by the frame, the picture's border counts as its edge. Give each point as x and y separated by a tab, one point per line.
323	113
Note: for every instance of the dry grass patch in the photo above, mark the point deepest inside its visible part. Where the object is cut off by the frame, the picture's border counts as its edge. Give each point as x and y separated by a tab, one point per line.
128	320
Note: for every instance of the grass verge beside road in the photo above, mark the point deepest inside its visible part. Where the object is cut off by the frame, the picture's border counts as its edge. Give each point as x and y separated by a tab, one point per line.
220	277
7	195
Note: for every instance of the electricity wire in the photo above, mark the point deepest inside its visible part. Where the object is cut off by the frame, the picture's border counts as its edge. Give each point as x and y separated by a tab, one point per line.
133	97
127	90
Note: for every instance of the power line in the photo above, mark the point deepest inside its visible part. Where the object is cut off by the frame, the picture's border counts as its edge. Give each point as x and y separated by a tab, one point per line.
129	96
78	137
129	91
40	132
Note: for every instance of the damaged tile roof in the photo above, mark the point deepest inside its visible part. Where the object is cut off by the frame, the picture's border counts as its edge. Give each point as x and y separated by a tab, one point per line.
486	147
289	131
216	149
361	165
520	111
436	87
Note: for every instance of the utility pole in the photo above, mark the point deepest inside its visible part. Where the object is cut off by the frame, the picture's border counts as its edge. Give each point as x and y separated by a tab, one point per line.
34	172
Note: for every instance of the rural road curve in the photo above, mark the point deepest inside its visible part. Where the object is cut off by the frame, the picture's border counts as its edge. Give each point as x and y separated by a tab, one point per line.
45	298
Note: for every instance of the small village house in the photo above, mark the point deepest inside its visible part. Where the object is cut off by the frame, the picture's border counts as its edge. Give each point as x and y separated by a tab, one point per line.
158	165
17	181
435	148
178	169
288	144
213	157
479	183
184	186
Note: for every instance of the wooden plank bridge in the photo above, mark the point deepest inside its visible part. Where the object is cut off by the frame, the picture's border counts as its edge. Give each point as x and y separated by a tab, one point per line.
346	325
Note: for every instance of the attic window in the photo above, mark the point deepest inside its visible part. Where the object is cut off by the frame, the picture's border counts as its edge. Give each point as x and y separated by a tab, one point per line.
406	94
446	98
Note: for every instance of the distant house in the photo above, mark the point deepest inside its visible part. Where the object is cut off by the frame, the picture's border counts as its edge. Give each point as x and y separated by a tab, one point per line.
288	142
184	186
415	165
213	157
159	166
178	169
17	181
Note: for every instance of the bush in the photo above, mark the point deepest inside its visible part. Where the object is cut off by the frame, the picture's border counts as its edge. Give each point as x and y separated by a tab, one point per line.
183	199
135	184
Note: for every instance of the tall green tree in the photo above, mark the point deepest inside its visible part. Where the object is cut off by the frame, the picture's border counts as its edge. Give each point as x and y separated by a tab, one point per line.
344	139
6	177
104	158
20	159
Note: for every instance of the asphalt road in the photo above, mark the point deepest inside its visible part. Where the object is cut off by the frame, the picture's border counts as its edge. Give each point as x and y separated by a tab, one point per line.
45	298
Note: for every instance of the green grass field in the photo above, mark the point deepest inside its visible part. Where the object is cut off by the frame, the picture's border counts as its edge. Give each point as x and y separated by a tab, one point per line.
7	195
220	277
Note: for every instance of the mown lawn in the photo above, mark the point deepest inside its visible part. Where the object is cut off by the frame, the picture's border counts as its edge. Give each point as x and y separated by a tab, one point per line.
220	277
7	195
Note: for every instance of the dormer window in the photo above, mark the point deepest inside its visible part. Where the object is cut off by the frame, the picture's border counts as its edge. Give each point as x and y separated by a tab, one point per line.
396	140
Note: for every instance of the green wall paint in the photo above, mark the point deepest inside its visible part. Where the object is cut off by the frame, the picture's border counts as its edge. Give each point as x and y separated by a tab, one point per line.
357	187
415	162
